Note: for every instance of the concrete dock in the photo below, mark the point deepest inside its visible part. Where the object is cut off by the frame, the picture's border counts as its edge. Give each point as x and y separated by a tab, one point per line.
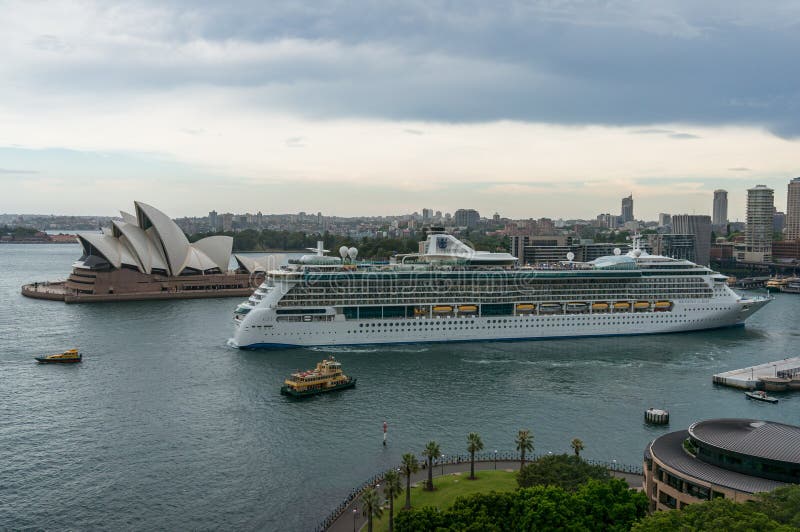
750	378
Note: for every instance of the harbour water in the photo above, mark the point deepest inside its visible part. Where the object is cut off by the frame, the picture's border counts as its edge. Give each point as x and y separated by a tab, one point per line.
164	426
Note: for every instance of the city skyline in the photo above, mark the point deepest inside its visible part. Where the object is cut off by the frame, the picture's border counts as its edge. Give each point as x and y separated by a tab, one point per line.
369	110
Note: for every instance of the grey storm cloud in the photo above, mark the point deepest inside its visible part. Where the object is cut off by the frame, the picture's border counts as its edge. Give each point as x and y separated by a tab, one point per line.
606	62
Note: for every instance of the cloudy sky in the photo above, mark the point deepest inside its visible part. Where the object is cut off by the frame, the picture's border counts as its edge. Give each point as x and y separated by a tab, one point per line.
551	108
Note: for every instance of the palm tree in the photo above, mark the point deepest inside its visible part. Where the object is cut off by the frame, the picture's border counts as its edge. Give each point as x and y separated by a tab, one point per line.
371	506
577	446
430	452
409	466
524	444
392	488
474	445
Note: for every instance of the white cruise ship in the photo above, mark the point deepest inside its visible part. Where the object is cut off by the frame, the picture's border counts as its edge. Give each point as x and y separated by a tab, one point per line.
449	292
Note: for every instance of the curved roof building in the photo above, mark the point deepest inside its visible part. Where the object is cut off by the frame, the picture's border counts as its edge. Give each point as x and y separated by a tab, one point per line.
151	242
730	458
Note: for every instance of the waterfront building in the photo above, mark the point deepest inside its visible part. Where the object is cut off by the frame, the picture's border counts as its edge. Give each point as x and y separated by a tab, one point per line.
700	227
758	232
147	256
720	458
793	210
467	218
627	209
720	213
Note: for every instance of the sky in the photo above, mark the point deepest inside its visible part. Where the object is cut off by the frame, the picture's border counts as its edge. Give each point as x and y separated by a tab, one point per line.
553	108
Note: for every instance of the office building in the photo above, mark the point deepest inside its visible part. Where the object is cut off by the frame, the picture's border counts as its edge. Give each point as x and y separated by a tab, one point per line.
700	227
467	218
676	246
793	210
720	214
758	232
627	209
664	219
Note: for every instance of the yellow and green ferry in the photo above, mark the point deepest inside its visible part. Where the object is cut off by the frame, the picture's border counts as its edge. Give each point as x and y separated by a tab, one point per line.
326	377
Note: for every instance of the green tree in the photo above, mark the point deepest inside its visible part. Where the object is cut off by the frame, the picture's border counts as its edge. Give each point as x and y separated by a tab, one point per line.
596	505
474	445
408	467
524	445
371	506
430	452
392	488
712	516
562	470
577	446
782	504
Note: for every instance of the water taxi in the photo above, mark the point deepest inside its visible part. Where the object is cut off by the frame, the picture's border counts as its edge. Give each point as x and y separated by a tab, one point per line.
326	377
758	395
70	356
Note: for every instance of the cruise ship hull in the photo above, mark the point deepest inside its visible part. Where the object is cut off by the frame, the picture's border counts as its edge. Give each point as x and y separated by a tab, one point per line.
261	331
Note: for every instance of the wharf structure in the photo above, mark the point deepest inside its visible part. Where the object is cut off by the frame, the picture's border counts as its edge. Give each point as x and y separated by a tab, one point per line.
779	375
720	458
147	256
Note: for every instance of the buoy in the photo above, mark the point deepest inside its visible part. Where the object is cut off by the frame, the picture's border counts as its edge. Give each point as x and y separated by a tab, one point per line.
656	416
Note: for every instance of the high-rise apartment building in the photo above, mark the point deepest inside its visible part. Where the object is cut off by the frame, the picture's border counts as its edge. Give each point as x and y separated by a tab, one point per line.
720	214
627	209
793	210
664	219
700	227
467	218
213	221
758	233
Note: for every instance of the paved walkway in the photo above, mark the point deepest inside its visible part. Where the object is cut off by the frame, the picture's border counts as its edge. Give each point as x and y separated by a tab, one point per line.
350	520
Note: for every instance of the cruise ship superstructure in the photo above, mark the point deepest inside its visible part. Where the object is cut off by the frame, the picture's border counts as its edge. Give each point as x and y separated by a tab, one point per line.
449	292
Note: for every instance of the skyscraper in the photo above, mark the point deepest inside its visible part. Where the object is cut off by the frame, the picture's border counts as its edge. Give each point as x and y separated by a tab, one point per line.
627	209
758	234
720	216
700	227
793	210
467	218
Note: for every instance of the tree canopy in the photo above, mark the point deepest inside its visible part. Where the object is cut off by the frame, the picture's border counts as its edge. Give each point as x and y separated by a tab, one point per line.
562	470
596	505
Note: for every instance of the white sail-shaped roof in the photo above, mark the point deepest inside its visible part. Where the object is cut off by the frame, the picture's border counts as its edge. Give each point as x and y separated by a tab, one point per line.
142	246
173	242
218	249
151	241
106	245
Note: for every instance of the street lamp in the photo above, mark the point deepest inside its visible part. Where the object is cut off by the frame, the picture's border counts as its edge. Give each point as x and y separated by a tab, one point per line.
495	459
355	515
442	464
614	467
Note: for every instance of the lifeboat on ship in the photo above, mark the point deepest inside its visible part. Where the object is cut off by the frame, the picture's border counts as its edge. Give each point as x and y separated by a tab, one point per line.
577	306
442	309
599	307
467	309
622	305
525	308
641	305
662	306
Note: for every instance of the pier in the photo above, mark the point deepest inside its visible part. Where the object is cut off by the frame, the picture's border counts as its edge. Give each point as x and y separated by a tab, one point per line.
750	378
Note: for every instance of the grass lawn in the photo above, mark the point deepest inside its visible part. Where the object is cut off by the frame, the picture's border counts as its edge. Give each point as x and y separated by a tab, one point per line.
447	489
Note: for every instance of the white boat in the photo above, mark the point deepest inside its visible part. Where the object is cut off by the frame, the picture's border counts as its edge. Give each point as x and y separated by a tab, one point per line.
417	298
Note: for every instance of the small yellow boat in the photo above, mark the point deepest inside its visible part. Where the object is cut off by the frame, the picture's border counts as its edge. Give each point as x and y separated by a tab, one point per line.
641	305
599	306
70	356
467	309
442	309
525	308
622	305
663	305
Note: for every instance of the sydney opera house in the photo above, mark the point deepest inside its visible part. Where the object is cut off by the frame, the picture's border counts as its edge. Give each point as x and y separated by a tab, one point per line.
147	256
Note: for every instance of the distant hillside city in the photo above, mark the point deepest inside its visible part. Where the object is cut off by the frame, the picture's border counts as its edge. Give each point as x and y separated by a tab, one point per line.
768	239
